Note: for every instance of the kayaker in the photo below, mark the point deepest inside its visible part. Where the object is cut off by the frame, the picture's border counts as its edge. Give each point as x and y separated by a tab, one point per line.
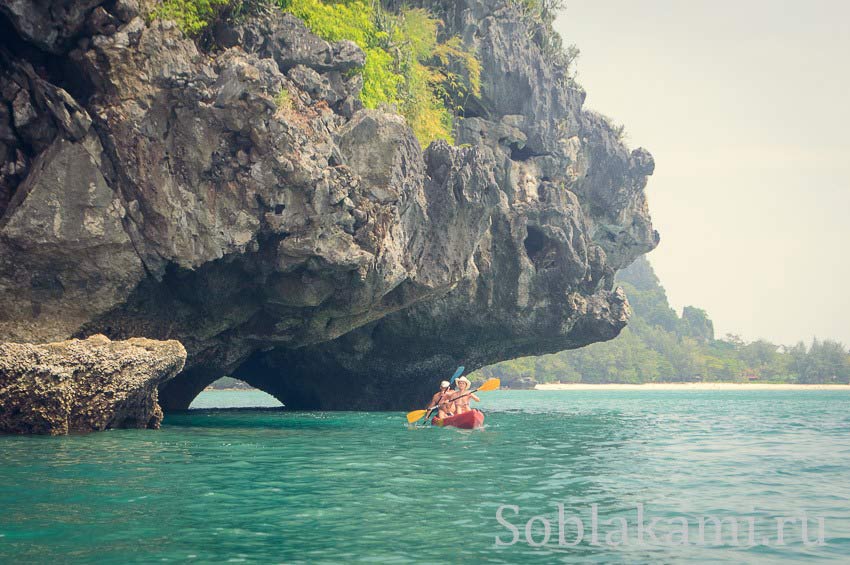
461	398
443	401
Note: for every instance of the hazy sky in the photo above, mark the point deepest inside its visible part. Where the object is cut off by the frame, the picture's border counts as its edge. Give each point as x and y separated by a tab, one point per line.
746	107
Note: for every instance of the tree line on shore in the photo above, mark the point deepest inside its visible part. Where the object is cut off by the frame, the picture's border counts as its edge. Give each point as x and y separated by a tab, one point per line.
661	346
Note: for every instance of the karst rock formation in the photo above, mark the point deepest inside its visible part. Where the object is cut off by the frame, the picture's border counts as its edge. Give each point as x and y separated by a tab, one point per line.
151	188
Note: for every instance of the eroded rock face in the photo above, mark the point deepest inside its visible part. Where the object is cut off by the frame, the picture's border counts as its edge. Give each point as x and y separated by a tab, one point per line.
243	202
84	385
49	24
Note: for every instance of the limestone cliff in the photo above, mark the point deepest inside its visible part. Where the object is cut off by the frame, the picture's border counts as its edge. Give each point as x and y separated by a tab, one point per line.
307	246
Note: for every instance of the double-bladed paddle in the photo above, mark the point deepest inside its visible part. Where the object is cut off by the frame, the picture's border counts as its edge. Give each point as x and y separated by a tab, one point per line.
458	373
490	384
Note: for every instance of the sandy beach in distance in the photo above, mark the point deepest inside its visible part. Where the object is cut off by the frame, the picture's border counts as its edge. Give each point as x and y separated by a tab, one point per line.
691	386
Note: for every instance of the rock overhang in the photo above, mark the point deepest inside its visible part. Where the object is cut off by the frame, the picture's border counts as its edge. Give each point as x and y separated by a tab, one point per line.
279	243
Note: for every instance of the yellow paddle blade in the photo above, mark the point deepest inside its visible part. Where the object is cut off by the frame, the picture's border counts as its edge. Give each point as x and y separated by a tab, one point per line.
415	415
491	384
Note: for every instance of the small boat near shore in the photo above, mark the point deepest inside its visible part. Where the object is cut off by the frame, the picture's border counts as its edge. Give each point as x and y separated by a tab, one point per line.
467	420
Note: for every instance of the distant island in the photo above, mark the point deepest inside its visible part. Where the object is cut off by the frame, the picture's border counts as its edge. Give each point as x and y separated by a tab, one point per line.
659	346
229	383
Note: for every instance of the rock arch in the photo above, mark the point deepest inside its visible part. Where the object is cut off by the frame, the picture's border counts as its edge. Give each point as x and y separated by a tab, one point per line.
178	393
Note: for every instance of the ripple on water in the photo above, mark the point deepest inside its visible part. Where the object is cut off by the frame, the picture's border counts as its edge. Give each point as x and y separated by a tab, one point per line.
271	486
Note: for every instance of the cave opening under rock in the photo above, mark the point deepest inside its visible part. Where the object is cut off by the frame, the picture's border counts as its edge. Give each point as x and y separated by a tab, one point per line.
198	389
228	392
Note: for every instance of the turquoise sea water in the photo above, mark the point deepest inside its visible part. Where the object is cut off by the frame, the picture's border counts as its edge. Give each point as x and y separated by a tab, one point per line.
271	486
234	399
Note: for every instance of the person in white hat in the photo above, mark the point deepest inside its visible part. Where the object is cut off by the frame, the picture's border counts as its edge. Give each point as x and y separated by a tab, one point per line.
443	401
461	398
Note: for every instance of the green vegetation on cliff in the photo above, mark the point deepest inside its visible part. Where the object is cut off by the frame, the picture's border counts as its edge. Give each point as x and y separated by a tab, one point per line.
541	14
193	16
660	346
409	66
406	65
357	21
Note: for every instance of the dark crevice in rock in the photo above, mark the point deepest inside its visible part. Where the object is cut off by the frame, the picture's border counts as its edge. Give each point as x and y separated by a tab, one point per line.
34	113
472	107
55	69
117	180
534	242
542	251
524	152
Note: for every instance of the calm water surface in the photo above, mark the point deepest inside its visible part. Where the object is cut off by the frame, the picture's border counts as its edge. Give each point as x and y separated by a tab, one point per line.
271	486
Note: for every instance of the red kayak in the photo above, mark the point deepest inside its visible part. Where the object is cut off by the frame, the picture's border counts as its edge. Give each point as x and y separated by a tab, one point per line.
466	421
